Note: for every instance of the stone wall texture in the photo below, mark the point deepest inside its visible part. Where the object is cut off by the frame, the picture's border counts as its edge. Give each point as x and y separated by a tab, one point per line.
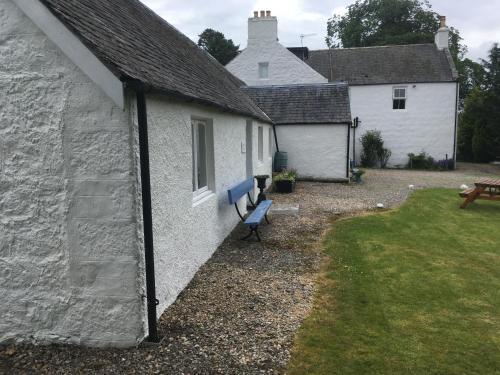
427	124
315	151
186	233
69	252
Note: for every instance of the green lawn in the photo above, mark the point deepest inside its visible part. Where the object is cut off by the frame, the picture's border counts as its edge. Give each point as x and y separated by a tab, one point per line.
410	291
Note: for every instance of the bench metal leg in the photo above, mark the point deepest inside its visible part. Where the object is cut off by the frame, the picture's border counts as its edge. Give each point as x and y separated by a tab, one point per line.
253	229
267	220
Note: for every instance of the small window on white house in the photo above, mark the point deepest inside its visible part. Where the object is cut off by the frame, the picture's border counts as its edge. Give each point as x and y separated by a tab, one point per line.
261	143
264	70
399	98
270	140
202	141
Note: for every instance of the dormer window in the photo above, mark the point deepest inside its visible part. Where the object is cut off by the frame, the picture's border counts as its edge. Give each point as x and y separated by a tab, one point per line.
264	70
399	98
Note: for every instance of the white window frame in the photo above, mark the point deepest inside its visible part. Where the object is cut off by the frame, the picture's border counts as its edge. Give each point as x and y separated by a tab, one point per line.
263	67
394	97
260	143
201	192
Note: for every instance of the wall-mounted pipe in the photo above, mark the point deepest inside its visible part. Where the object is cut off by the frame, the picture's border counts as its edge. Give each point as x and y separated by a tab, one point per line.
348	163
147	216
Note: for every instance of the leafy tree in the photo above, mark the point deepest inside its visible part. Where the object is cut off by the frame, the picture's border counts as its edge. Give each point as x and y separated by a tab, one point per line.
215	43
479	126
383	22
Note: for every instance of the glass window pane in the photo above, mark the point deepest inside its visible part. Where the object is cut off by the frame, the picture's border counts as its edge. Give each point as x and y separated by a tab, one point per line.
202	156
264	70
270	141
195	151
261	143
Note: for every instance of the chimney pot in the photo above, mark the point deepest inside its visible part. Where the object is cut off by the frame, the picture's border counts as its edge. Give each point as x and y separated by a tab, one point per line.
268	13
262	13
256	14
442	21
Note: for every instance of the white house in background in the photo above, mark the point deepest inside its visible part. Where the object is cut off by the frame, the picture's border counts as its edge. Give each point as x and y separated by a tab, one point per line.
80	90
408	92
265	61
312	123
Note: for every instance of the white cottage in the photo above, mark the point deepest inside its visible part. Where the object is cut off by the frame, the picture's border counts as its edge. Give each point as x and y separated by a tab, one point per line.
118	140
312	123
407	92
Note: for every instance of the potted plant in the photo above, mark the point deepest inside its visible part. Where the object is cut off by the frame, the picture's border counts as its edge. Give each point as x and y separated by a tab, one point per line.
284	182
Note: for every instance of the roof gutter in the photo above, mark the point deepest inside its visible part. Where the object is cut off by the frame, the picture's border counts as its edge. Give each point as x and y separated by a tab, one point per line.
147	216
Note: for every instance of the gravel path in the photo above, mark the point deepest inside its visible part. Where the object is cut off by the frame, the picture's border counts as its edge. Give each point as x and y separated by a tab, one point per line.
240	312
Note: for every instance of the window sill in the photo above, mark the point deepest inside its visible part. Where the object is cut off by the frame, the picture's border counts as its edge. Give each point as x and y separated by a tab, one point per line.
202	197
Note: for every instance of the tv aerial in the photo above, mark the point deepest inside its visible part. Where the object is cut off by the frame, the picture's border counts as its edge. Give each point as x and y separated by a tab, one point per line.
302	36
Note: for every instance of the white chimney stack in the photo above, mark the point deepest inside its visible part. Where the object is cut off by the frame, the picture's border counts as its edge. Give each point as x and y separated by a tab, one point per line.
443	34
263	28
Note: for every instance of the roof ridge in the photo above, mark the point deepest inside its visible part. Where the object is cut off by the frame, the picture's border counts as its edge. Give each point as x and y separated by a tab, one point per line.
337	83
372	47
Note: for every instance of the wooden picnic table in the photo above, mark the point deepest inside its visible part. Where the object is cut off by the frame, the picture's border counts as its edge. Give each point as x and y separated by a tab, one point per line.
487	188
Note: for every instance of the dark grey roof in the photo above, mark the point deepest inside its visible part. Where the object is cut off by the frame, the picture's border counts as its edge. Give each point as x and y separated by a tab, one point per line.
386	64
135	43
303	104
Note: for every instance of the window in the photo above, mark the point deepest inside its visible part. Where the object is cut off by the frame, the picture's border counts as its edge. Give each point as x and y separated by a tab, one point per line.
261	143
202	141
264	70
271	135
399	98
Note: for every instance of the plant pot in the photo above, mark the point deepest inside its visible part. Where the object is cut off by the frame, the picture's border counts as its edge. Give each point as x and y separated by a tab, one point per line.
285	186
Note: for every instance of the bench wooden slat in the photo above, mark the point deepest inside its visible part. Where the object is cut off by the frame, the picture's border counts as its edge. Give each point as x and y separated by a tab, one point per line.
258	214
239	190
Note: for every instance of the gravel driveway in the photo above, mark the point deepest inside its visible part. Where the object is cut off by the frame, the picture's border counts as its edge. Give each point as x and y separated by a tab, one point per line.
240	312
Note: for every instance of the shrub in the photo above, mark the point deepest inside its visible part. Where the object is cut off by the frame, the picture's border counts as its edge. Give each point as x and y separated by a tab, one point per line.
374	154
424	161
286	175
384	155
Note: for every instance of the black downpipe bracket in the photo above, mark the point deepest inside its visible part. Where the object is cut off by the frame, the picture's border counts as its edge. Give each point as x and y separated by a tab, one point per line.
147	215
348	166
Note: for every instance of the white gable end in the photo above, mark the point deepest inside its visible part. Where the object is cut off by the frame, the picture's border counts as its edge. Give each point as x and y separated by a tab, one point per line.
266	62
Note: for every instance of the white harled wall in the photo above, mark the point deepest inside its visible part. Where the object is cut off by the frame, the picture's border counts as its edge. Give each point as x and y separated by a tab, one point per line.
427	124
185	233
263	46
317	152
69	249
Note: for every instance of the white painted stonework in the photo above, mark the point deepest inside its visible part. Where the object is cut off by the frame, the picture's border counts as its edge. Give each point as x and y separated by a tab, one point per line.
71	241
185	233
69	249
263	47
316	151
427	124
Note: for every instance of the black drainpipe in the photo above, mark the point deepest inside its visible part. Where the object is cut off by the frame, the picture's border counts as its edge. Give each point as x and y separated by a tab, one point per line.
456	125
348	167
147	216
276	138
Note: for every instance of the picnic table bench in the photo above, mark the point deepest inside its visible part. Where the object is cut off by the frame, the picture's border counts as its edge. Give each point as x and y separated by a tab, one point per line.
488	189
258	214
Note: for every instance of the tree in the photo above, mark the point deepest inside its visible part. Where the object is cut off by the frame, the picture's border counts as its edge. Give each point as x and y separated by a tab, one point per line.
479	126
214	42
383	22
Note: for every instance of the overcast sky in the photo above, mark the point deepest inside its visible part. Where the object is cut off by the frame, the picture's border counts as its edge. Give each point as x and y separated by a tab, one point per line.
477	20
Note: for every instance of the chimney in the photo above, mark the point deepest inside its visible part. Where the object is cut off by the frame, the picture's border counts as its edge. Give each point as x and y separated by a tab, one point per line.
442	36
262	29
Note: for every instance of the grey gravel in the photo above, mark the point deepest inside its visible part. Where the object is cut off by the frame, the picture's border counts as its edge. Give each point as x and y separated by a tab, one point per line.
240	312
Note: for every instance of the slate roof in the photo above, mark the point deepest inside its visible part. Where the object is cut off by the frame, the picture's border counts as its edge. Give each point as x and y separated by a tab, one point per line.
135	43
412	63
303	104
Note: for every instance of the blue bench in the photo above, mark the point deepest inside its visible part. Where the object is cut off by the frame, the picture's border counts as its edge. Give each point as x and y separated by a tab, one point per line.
258	214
